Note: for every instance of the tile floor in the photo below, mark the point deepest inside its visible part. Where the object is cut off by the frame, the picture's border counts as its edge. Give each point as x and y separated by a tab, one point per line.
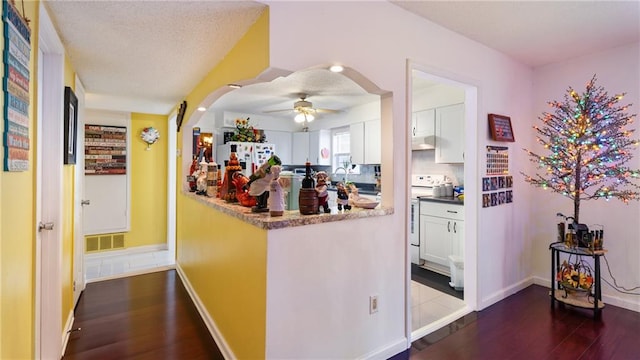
429	305
107	267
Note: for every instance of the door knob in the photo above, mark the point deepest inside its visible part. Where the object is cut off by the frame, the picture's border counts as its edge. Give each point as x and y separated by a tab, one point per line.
85	202
45	226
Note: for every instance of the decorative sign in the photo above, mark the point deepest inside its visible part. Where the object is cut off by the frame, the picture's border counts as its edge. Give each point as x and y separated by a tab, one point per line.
105	150
501	128
497	160
16	56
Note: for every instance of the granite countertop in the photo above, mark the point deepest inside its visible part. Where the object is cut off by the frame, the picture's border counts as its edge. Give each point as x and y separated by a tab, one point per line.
363	188
290	218
446	200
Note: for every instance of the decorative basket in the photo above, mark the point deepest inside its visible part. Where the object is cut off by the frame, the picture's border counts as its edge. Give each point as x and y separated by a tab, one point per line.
575	277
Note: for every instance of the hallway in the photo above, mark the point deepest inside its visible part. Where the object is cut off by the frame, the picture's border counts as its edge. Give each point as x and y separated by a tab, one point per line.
148	316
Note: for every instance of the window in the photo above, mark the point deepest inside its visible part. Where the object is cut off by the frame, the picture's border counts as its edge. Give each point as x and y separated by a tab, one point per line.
342	151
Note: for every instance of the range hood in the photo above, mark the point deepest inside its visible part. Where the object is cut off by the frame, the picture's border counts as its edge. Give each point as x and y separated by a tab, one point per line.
423	143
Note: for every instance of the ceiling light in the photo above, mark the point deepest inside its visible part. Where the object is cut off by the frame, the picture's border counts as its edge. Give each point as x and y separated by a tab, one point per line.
235	86
336	68
202	108
302	117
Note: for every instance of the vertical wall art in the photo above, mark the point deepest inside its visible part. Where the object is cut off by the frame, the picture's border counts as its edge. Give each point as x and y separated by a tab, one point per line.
15	85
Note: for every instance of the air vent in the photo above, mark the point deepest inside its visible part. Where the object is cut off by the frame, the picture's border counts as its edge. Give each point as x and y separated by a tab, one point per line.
92	243
118	241
104	242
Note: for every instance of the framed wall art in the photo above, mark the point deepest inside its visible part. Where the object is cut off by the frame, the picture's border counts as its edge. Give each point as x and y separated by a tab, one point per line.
70	126
501	129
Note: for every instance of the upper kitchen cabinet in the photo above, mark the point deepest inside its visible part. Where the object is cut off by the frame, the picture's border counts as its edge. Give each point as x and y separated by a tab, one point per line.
365	141
423	129
450	134
283	144
313	146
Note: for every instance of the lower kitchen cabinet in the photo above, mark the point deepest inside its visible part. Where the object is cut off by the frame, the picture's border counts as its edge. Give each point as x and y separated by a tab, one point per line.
441	234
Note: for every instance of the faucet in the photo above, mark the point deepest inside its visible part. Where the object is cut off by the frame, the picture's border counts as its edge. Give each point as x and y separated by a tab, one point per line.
344	179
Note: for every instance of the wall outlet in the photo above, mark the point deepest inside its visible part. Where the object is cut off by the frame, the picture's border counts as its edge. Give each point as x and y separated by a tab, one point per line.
373	304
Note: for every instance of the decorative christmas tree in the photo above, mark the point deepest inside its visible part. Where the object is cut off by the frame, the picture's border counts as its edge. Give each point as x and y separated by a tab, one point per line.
588	146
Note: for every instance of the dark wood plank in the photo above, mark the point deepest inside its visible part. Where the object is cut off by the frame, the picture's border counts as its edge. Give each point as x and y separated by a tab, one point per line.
525	326
147	316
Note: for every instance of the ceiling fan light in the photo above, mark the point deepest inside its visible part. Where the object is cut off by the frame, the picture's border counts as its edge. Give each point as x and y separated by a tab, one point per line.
302	117
299	118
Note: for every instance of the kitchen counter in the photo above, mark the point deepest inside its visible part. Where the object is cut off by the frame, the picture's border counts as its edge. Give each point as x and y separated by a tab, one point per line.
446	200
290	218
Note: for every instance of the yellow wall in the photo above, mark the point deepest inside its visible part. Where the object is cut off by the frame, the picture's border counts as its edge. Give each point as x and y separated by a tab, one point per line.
233	291
17	232
148	183
68	183
208	242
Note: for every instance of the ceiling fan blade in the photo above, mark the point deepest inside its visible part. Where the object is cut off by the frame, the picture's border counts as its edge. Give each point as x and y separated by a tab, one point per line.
275	111
328	111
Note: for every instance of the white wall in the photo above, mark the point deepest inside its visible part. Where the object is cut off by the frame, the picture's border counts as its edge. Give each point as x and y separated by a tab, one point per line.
376	39
617	71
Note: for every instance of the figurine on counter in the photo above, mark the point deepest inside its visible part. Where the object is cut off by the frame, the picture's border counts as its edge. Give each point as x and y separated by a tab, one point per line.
321	189
242	195
259	181
276	195
201	176
343	197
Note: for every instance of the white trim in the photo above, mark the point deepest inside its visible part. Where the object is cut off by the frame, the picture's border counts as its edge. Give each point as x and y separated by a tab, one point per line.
387	351
440	323
506	292
171	184
67	332
48	283
78	277
127	251
132	273
204	314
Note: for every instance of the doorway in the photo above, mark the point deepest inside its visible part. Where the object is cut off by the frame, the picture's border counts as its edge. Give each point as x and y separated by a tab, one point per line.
465	173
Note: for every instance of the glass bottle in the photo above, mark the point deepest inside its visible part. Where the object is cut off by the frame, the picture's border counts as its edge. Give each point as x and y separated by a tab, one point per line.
307	181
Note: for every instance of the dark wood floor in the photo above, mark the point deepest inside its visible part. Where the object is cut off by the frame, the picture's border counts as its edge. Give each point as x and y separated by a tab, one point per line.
147	316
524	326
152	317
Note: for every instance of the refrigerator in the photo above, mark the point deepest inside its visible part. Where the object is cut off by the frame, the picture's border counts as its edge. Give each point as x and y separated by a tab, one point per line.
251	155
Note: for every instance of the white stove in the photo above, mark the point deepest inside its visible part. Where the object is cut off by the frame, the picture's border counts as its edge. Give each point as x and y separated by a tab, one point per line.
421	185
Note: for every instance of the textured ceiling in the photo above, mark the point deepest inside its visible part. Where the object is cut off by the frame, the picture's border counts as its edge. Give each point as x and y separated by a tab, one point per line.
152	51
147	55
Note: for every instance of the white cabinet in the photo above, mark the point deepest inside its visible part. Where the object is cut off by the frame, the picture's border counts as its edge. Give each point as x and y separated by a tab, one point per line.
300	148
283	142
450	134
424	123
313	146
365	142
441	233
372	142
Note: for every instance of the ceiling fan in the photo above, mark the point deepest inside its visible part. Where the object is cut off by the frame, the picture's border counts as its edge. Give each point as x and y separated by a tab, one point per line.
305	112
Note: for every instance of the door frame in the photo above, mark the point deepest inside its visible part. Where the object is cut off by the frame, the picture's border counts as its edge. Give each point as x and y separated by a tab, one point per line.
79	280
472	89
49	335
172	189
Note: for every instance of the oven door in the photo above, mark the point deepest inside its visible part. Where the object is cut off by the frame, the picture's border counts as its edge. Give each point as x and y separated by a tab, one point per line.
414	233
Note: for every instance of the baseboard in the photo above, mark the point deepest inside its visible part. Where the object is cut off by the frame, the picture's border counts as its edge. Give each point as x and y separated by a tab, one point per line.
387	351
127	251
440	323
204	314
132	273
606	298
66	332
504	293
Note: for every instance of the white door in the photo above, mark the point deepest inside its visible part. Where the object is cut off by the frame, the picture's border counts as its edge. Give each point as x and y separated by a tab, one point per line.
78	200
48	307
